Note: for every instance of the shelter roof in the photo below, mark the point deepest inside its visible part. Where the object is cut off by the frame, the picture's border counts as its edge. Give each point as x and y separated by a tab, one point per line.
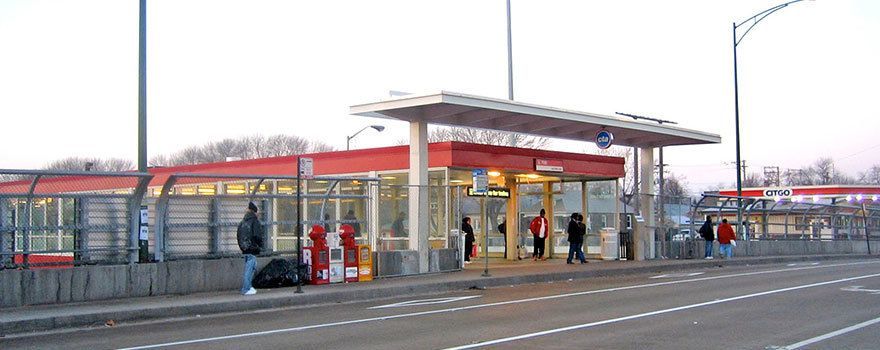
456	109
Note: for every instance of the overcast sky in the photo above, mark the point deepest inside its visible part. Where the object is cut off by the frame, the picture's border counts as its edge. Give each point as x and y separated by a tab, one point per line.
808	73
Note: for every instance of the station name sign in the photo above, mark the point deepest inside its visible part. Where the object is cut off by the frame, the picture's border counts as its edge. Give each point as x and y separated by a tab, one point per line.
492	192
551	165
778	192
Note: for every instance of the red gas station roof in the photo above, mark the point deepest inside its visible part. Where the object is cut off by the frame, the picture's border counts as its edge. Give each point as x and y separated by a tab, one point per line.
827	190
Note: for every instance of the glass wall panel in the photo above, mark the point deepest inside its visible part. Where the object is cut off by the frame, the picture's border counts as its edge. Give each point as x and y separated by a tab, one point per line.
437	206
530	204
393	225
602	206
567	199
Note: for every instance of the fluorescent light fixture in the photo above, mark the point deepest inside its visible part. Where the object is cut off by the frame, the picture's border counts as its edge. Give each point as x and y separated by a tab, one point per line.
777	198
874	198
388	177
456	181
494	173
849	198
859	197
815	199
533	176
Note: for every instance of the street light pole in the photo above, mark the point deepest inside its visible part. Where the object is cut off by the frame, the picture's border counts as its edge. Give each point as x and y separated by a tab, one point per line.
142	87
378	128
512	137
756	18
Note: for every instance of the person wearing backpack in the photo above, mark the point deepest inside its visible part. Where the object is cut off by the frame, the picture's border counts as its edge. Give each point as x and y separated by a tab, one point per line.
708	235
575	239
250	241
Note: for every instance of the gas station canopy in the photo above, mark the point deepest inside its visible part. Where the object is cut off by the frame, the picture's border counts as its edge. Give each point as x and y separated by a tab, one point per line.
456	109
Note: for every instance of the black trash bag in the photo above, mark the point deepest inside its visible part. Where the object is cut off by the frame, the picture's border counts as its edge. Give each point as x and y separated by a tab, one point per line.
278	273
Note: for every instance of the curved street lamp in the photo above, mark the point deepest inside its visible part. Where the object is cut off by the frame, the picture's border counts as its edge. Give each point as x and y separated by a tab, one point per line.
378	128
752	21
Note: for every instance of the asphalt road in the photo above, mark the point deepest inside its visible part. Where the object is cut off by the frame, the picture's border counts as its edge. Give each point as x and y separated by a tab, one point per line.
828	305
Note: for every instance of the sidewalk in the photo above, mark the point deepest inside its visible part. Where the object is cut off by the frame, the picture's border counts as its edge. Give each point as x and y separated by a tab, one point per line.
53	317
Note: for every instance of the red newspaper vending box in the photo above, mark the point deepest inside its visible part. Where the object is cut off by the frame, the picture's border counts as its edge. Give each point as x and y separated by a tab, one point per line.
319	256
346	233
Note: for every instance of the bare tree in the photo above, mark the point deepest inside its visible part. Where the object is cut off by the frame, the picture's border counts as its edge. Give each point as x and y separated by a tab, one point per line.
753	180
870	176
823	171
88	163
245	147
627	154
675	186
486	137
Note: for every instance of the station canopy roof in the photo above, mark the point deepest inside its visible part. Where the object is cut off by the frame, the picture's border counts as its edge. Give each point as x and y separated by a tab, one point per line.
456	109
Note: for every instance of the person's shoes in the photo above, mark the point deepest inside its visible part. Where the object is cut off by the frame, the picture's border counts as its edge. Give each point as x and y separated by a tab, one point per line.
251	291
708	258
535	258
467	262
583	262
543	259
569	262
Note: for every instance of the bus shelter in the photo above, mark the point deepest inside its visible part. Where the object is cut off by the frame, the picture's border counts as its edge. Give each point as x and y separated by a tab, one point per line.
462	110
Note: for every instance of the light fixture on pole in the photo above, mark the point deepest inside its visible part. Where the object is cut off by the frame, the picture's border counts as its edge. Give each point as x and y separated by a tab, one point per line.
378	128
751	21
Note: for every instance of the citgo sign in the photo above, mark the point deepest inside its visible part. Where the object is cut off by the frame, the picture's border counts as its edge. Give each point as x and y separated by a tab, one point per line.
778	192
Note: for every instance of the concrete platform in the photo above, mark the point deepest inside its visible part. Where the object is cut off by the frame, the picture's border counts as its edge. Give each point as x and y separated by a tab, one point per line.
91	314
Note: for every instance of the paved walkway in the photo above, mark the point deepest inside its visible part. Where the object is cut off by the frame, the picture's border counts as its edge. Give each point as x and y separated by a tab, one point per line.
53	317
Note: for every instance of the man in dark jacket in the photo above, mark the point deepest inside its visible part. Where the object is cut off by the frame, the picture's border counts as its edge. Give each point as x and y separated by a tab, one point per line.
708	234
468	238
250	241
575	239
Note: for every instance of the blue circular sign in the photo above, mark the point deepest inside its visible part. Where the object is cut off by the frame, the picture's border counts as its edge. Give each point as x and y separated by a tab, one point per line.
604	139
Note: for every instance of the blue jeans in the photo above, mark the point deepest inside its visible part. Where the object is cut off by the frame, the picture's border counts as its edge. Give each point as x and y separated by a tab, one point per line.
250	265
726	250
575	248
708	249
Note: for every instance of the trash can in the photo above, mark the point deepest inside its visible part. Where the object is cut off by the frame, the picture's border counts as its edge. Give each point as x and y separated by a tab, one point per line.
610	245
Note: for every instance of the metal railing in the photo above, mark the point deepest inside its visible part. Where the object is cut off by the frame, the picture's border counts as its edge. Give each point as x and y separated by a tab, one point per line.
197	215
69	217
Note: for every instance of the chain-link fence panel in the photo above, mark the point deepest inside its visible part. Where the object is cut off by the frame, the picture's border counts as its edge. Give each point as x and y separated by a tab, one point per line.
197	215
64	218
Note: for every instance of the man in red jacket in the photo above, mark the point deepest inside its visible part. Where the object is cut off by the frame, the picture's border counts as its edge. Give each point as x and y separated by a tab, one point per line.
726	237
540	228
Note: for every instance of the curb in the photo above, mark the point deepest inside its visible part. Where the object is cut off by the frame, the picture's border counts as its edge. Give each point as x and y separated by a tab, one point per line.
233	303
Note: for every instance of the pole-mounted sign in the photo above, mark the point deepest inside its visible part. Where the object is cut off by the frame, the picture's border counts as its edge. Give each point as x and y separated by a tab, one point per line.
604	139
481	181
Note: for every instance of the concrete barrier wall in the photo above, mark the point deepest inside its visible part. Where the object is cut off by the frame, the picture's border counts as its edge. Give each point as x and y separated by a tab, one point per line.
777	248
90	283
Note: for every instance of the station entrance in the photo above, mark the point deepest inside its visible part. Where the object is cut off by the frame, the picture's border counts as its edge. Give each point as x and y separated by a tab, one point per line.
516	198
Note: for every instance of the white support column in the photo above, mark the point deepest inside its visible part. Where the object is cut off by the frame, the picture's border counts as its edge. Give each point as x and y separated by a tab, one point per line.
373	228
418	192
645	242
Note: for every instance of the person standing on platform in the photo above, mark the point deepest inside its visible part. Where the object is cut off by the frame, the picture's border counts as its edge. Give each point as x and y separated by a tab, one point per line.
575	239
706	231
502	228
468	238
726	239
540	228
250	241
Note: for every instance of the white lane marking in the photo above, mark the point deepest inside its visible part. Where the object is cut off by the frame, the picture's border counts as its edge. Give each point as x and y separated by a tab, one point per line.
860	289
425	302
803	264
479	306
677	275
654	313
832	334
